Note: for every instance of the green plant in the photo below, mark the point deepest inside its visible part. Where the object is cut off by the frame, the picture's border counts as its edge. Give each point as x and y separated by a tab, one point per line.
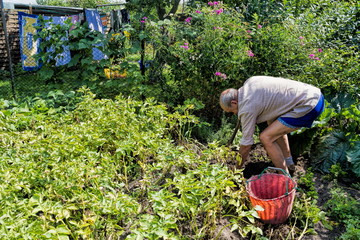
188	52
80	41
100	168
341	145
73	3
306	210
352	230
308	214
337	172
342	207
332	21
306	183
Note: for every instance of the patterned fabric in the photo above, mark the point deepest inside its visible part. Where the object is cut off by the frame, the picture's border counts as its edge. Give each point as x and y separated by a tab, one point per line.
94	20
28	45
64	57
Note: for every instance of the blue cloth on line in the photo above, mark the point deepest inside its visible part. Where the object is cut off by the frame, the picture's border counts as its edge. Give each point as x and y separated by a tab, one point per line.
94	20
65	56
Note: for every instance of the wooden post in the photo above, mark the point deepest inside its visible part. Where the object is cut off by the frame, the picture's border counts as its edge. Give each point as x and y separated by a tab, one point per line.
142	59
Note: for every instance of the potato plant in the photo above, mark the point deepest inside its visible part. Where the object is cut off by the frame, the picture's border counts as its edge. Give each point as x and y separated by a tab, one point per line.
110	169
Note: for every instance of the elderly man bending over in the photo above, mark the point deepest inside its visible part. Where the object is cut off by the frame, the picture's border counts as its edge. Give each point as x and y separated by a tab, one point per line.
286	105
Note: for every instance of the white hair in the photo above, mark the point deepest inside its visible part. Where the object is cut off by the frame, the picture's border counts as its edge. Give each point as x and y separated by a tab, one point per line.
227	96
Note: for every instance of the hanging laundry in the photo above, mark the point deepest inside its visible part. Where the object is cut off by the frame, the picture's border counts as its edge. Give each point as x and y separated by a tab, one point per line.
104	21
94	20
125	17
116	20
64	57
28	45
75	19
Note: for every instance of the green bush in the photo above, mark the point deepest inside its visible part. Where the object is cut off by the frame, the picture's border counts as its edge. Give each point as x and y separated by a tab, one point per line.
332	22
111	168
343	208
214	48
80	41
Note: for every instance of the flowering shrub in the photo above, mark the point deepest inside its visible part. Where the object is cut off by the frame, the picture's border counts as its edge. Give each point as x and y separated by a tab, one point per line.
213	40
205	52
214	47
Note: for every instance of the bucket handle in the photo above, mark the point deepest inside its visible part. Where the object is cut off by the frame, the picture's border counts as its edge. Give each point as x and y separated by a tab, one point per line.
275	168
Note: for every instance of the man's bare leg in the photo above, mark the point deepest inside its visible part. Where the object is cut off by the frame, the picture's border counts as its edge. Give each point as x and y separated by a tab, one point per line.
283	143
269	139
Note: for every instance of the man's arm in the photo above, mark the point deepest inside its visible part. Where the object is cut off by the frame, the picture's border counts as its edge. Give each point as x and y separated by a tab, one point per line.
244	152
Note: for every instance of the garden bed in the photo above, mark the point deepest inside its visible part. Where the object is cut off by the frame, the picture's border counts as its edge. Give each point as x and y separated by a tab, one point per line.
257	163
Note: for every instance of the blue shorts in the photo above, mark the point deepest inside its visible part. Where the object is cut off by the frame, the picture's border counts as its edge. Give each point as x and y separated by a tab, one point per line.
307	120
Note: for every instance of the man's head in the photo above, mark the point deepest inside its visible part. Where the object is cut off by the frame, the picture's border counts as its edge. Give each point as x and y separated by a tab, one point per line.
229	100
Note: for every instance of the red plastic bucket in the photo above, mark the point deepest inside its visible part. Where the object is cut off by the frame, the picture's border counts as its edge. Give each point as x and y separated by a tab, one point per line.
275	193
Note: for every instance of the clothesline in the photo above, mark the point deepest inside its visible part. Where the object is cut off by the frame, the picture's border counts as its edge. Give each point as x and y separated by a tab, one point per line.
29	47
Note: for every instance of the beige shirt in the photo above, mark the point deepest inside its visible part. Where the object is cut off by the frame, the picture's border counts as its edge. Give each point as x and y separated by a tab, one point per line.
264	98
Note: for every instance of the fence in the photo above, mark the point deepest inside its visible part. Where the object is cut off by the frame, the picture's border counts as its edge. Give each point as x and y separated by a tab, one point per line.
9	51
18	45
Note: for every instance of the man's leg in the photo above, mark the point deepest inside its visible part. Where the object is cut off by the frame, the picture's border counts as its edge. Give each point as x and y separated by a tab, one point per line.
283	143
274	146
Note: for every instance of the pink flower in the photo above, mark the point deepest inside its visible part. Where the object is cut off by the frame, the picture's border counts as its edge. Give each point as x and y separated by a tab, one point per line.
219	11
211	3
144	18
222	75
188	19
185	46
197	11
320	50
248	31
215	3
259	26
250	53
312	56
301	40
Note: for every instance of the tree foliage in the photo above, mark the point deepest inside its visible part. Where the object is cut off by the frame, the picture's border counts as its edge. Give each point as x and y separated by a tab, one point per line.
74	3
162	8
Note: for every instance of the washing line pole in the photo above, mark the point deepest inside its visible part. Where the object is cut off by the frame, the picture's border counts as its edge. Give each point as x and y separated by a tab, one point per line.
8	48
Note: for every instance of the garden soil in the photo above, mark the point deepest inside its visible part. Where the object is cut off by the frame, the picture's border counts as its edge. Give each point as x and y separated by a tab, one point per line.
258	161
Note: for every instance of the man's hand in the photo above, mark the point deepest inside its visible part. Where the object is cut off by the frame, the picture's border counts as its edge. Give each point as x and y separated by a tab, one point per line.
244	152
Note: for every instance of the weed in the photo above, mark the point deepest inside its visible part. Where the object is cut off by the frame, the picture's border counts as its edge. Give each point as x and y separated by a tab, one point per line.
306	184
343	208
